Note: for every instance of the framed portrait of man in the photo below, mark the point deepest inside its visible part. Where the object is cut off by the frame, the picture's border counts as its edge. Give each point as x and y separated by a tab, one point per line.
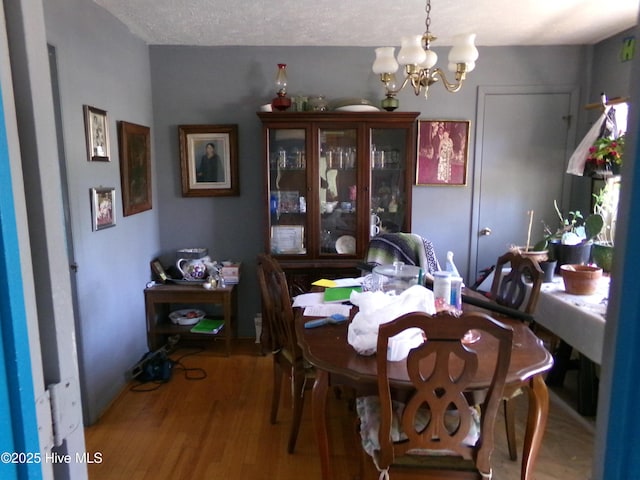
209	160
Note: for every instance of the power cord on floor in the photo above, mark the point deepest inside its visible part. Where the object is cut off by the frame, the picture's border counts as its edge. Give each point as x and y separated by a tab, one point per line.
190	373
193	373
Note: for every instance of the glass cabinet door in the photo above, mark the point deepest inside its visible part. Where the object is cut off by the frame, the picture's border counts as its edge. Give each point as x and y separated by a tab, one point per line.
287	191
337	169
388	164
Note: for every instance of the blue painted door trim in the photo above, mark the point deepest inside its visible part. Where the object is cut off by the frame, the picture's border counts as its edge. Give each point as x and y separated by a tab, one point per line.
18	422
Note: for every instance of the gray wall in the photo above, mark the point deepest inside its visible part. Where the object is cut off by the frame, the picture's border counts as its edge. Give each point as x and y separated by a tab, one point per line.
101	64
228	84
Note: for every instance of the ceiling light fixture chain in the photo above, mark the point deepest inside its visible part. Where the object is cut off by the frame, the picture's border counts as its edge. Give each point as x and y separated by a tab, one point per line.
419	63
427	22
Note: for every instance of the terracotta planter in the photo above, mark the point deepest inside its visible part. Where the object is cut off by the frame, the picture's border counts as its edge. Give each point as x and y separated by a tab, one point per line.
580	279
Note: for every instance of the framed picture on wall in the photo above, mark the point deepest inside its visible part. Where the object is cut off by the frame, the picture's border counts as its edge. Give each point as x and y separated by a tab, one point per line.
135	167
103	208
443	151
96	126
209	160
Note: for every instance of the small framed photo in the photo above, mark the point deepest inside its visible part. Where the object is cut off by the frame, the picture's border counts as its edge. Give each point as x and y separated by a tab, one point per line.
158	271
103	208
209	160
443	151
97	134
135	167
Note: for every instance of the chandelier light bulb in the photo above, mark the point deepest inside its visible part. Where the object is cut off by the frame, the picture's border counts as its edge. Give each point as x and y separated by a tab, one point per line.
431	58
385	61
411	51
464	49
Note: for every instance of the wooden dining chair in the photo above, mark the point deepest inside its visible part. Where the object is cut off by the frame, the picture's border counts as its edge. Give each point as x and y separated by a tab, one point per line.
288	360
518	289
434	430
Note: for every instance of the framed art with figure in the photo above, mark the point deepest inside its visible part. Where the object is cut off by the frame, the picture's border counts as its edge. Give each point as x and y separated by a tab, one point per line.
97	134
443	151
209	160
103	208
135	167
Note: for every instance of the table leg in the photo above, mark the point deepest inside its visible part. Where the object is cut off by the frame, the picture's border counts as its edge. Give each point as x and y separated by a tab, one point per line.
536	423
319	415
587	387
228	313
561	363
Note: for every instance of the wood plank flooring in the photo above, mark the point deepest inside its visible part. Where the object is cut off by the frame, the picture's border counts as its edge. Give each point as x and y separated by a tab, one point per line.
218	428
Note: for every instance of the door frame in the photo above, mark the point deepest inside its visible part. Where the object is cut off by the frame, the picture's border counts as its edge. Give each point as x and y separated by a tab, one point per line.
17	397
24	65
483	94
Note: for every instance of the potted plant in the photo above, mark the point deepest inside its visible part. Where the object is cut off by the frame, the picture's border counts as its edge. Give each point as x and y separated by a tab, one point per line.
606	205
605	157
571	242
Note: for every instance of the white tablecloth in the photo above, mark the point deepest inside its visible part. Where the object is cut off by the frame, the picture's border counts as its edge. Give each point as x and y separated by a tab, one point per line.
579	320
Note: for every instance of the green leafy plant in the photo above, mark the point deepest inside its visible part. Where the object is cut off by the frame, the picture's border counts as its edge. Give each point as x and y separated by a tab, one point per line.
574	229
606	152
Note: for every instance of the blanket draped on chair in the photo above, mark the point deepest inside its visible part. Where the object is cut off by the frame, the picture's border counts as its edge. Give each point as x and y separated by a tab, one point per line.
410	248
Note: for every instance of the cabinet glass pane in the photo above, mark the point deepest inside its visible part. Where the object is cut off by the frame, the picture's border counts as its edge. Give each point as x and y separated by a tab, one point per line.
287	190
338	180
388	180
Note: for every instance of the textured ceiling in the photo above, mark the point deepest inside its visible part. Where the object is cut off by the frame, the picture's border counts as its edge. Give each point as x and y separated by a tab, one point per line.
371	22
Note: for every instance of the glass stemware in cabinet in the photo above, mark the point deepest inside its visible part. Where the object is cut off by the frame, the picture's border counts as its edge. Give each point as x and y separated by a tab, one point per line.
338	189
287	192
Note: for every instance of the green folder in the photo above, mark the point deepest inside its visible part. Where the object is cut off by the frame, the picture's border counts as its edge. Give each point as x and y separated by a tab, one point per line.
208	325
339	294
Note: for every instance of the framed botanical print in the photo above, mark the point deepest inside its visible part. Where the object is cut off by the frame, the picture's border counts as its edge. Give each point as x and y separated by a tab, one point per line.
135	167
97	134
443	151
103	208
209	160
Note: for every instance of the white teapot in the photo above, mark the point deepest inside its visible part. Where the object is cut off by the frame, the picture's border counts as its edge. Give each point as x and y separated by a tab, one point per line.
194	269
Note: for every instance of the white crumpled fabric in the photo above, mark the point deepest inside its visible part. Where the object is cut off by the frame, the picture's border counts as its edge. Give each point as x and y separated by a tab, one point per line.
376	308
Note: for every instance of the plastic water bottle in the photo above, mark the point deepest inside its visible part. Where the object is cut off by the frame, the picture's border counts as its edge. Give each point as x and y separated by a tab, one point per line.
450	266
456	294
442	290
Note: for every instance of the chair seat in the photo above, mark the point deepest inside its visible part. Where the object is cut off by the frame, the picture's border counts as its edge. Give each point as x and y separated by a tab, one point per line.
368	410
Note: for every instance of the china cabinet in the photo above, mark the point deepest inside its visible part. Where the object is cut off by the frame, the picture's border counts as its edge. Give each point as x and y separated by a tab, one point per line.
332	181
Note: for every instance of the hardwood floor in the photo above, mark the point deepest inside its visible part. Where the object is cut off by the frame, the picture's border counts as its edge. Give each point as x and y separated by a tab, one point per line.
218	428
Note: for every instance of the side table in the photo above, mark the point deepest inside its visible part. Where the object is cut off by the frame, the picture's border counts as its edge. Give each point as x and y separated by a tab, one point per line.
157	300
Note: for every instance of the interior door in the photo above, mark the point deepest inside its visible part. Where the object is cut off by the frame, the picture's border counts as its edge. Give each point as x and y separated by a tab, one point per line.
522	147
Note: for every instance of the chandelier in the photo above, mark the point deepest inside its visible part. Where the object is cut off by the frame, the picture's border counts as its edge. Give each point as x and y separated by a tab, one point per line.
419	61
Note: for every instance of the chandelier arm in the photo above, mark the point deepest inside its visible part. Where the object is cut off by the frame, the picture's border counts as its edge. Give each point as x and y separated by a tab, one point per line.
451	87
415	83
391	91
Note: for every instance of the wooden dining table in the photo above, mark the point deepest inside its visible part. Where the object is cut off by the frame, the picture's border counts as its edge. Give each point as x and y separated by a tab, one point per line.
337	363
